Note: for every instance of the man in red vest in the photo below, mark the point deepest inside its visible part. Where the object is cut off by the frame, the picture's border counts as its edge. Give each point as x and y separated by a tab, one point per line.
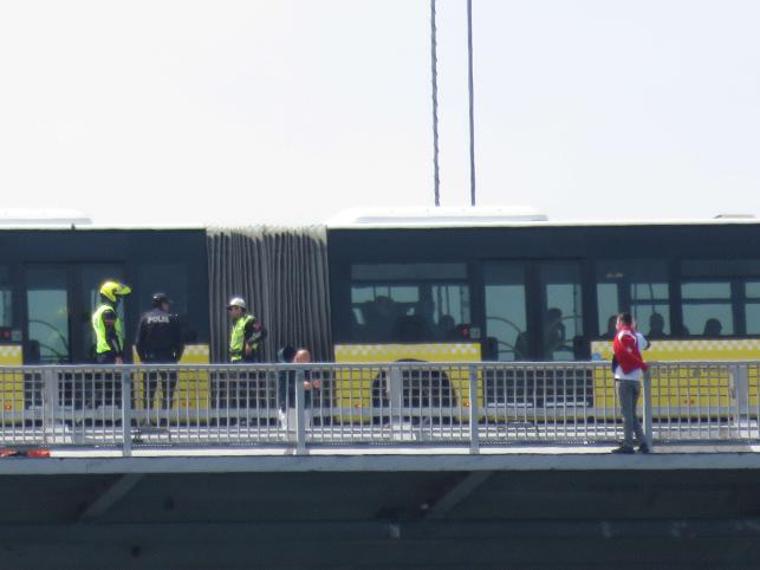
628	371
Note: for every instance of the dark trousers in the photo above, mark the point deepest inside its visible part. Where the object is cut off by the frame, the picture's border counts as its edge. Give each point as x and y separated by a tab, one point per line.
628	394
168	380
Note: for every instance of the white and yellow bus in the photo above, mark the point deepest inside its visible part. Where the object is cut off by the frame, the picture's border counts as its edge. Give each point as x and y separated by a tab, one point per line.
443	286
502	287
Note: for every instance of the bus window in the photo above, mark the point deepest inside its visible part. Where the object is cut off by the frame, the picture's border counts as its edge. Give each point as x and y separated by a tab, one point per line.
562	310
6	305
752	306
637	286
48	317
415	302
506	319
707	309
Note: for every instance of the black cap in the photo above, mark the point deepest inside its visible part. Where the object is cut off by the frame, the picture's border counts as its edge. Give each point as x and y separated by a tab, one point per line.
286	354
160	298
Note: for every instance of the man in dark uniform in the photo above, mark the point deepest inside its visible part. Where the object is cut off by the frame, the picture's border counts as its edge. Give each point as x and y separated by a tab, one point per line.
159	341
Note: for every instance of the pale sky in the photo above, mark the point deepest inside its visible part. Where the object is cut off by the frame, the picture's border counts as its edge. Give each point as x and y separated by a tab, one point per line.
290	111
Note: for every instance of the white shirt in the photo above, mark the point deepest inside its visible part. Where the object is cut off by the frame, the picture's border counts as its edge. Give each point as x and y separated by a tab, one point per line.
642	341
634	375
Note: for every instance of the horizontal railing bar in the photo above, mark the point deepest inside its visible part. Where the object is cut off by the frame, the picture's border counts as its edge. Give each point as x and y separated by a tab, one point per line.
463	365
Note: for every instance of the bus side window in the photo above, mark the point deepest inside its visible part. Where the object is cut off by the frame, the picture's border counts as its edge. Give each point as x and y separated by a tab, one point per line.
6	301
707	308
409	302
752	306
637	286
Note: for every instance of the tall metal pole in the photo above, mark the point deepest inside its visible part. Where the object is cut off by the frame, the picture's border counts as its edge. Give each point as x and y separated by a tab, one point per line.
472	103
434	72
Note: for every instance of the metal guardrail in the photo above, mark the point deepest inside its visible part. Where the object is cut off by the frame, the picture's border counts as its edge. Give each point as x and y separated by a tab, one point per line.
423	404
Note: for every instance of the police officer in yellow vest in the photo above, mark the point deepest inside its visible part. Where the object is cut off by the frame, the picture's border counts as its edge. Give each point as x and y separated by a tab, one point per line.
107	326
246	335
109	345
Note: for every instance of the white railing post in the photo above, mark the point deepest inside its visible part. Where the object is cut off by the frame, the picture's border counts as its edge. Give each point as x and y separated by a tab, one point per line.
300	377
126	413
49	404
740	397
474	411
395	395
647	408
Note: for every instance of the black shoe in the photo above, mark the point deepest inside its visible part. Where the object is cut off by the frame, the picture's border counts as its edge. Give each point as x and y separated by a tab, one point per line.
627	449
643	448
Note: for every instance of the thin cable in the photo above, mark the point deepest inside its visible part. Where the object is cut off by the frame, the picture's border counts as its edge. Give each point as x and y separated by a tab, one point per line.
434	73
472	102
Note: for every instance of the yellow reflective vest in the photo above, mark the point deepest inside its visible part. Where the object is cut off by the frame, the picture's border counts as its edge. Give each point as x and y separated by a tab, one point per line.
237	338
101	333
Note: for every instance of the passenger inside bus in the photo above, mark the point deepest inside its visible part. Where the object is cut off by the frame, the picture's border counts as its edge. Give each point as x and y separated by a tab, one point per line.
380	316
713	328
611	328
656	326
386	320
447	328
554	337
554	332
411	328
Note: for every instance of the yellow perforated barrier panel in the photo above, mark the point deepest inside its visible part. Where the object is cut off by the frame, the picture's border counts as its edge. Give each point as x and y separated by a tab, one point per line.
12	382
11	355
192	385
353	388
690	387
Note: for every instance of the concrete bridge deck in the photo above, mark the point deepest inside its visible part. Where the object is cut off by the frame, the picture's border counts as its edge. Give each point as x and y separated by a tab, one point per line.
391	458
389	507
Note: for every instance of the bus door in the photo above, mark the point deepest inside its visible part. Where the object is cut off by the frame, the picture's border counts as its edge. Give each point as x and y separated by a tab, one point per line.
534	312
60	300
560	314
557	303
507	327
48	330
534	309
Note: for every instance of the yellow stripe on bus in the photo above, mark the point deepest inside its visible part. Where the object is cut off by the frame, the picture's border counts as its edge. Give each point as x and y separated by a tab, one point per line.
12	383
193	386
693	386
353	388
